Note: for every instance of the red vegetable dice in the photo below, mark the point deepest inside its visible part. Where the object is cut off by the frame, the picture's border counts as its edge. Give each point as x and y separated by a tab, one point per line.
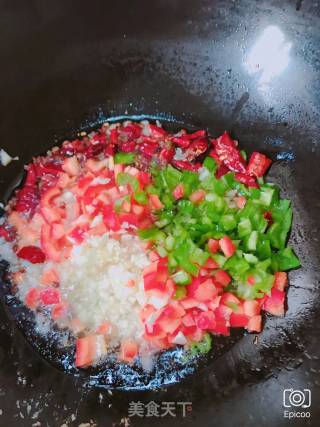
32	254
227	151
274	304
50	296
258	164
280	280
227	246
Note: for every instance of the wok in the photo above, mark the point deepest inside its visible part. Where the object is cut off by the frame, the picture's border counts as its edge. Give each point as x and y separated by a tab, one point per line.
245	66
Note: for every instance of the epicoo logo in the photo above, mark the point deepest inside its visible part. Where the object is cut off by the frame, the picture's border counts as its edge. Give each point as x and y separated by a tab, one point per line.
296	398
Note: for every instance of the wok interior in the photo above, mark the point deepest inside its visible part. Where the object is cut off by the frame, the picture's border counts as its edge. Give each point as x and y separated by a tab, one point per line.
189	66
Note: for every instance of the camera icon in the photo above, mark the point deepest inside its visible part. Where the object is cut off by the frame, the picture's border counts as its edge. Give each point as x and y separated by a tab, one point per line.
296	398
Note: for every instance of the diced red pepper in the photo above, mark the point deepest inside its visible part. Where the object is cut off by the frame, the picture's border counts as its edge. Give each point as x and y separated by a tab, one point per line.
227	246
197	196
238	320
240	202
206	291
254	324
258	164
206	320
128	350
210	264
280	280
213	245
32	298
222	277
274	304
178	192
247	180
251	280
251	308
110	219
89	349
156	202
50	296
59	310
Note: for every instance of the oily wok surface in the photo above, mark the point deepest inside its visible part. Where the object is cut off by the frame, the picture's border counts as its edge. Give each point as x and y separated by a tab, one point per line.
190	64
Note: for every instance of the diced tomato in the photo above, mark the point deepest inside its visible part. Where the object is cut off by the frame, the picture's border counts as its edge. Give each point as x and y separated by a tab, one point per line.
128	350
222	277
197	196
238	320
213	245
32	298
155	201
50	296
258	164
254	324
32	254
251	308
178	192
274	304
227	246
144	178
280	280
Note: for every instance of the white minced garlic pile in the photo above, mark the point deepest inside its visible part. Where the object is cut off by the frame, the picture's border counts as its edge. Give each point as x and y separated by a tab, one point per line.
94	283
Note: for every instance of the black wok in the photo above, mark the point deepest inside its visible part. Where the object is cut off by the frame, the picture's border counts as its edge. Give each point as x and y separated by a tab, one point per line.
246	66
